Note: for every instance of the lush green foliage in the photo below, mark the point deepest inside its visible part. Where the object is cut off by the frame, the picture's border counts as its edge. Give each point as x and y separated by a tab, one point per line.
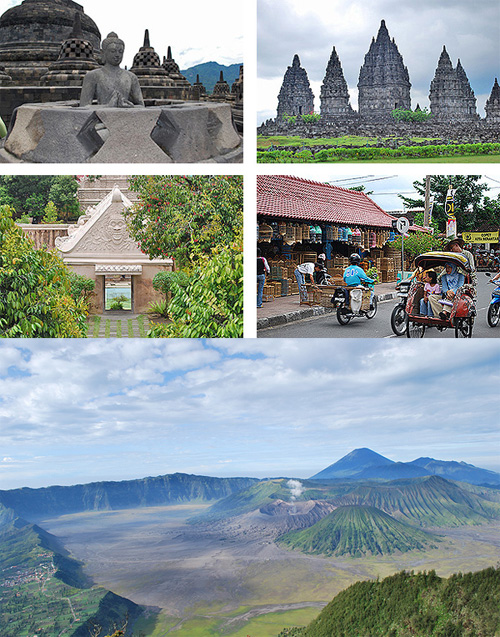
50	213
81	287
211	304
290	119
35	289
402	115
29	194
357	531
185	217
370	153
418	242
471	206
420	604
117	302
311	117
165	281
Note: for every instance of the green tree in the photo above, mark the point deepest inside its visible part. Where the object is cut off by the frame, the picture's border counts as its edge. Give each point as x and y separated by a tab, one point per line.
29	194
35	289
50	213
211	304
198	221
185	217
469	200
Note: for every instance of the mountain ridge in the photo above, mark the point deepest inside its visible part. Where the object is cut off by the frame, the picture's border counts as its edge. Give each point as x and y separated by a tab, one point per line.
363	463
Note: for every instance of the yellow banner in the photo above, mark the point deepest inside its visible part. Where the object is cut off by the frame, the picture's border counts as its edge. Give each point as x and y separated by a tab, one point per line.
480	237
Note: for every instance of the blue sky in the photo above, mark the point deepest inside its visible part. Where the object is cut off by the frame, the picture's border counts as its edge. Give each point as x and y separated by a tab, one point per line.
81	411
197	31
470	31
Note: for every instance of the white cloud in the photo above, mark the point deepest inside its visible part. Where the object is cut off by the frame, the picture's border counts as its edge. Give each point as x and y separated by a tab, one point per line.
270	406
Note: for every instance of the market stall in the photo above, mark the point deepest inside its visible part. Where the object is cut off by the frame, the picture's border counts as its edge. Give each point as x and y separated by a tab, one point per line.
299	219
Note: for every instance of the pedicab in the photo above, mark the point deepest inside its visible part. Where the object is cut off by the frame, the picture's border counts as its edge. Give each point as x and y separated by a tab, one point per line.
460	312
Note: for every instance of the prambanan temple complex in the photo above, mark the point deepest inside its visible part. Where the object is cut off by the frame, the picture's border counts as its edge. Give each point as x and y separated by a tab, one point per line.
47	47
383	85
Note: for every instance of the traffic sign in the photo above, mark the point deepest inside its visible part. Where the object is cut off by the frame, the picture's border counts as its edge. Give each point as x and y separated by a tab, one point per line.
402	225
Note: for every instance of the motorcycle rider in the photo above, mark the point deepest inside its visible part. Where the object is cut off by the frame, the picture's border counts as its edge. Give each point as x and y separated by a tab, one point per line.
355	276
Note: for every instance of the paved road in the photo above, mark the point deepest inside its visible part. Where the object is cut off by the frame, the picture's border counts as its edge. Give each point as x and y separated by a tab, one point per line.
380	326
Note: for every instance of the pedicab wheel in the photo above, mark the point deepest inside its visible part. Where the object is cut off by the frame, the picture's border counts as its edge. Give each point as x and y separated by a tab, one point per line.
399	320
343	319
373	309
463	328
415	330
493	315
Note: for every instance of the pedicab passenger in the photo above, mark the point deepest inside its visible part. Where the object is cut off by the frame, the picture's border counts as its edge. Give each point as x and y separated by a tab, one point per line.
450	282
431	287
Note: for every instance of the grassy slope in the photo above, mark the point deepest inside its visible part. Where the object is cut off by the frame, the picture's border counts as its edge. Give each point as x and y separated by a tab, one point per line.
357	531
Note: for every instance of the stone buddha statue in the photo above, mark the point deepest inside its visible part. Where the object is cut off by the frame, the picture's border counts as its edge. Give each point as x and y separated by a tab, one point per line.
110	85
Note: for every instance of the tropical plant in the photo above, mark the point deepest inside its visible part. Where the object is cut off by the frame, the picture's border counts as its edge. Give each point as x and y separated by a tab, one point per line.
35	289
117	302
311	117
405	115
211	304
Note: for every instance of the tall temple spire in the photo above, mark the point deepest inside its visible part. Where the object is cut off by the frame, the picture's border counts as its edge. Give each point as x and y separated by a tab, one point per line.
384	83
451	96
334	91
295	96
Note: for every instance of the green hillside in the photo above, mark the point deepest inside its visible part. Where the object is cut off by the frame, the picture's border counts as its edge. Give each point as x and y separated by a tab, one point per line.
422	605
428	501
358	531
43	591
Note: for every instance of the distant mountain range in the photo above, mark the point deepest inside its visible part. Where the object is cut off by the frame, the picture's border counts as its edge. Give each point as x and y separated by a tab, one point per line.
176	488
365	464
209	73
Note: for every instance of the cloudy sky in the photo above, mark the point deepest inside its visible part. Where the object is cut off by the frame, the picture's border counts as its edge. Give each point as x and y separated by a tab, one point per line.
197	31
386	185
469	30
80	411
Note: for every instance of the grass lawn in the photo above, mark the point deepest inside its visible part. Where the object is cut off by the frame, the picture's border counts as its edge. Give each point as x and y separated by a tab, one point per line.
294	141
456	159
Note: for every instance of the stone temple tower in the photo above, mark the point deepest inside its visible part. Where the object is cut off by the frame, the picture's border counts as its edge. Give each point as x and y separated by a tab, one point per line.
295	97
492	106
334	92
384	83
451	96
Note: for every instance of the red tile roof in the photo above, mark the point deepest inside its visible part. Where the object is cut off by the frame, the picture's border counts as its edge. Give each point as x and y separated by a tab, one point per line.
294	198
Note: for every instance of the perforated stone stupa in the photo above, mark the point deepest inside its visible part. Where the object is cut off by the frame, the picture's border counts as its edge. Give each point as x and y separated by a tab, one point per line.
384	82
295	96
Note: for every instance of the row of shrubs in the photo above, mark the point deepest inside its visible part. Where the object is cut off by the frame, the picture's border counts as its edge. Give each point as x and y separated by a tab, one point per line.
398	114
371	152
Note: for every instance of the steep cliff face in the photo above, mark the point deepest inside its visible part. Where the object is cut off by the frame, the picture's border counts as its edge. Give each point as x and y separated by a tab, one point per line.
101	496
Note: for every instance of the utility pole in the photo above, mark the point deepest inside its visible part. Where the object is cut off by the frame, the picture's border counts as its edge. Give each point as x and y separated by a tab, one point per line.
427	201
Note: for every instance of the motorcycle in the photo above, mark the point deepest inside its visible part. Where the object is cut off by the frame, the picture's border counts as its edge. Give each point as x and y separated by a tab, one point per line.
493	316
399	317
351	305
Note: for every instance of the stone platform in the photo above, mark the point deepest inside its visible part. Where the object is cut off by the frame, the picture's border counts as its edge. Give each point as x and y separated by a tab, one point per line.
63	132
